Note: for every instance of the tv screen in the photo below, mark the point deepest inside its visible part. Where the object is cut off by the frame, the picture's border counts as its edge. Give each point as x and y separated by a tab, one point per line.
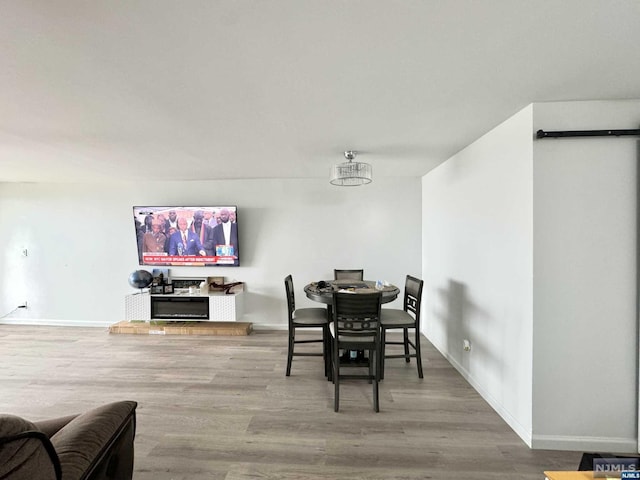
187	236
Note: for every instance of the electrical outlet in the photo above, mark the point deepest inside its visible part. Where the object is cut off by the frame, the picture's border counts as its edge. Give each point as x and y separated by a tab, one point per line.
466	345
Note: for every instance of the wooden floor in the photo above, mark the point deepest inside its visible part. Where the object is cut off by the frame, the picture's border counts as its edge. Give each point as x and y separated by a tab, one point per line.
222	408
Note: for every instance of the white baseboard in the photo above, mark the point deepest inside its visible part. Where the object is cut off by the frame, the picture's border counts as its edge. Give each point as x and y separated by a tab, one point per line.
53	323
271	326
517	427
547	442
585	444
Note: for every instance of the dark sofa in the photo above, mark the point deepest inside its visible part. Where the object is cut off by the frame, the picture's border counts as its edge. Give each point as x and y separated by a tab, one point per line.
97	444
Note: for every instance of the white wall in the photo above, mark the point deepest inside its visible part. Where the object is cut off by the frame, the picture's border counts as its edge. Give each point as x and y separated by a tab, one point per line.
530	251
585	286
81	242
477	265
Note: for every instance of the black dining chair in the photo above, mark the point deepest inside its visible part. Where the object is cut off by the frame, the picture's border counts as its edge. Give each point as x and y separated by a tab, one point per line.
408	317
348	274
305	318
356	326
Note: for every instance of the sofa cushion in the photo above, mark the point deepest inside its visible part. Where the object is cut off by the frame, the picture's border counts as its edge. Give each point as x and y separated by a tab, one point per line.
83	442
25	452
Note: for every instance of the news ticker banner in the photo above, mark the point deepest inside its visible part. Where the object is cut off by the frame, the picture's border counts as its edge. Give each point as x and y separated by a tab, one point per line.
187	261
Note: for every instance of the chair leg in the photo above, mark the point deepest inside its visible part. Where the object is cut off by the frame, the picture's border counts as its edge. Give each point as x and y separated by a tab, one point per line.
325	349
336	379
383	340
330	357
290	353
406	345
418	353
376	377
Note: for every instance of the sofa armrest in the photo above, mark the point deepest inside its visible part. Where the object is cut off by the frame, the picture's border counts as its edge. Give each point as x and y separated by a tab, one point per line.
98	443
25	452
52	426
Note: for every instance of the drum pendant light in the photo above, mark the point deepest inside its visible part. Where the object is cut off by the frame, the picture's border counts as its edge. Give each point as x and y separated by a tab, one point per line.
350	173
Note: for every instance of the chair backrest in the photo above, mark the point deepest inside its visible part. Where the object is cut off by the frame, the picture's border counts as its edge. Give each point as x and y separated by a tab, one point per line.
348	274
413	296
356	315
291	299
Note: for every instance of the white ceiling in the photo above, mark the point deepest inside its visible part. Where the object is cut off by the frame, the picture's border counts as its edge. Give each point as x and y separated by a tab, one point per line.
208	89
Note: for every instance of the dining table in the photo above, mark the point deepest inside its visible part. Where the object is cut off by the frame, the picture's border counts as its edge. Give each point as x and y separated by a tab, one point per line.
322	292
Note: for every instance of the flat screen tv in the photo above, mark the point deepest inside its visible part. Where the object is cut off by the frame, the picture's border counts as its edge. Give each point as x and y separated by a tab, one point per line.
187	236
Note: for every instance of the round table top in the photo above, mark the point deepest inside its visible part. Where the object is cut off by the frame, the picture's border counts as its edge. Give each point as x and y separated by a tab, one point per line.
325	295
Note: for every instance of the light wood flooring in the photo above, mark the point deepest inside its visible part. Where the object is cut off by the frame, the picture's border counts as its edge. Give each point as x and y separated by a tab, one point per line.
222	408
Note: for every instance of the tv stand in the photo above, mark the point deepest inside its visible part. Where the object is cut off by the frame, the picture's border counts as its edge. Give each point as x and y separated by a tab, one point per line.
184	307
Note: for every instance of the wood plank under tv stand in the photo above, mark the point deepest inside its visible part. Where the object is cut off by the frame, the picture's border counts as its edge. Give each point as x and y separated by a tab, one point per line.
183	328
222	307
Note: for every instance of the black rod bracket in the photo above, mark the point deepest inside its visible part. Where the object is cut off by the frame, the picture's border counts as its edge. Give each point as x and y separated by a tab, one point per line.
587	133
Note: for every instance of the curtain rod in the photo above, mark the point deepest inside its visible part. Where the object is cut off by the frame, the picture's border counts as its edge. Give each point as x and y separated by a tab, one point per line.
586	133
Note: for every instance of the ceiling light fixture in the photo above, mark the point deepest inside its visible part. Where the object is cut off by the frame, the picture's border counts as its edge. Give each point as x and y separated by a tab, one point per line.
350	173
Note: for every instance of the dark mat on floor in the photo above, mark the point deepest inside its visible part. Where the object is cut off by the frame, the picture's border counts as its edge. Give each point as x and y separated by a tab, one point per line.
586	462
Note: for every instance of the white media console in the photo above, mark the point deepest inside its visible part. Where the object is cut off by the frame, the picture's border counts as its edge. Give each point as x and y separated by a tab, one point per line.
210	307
